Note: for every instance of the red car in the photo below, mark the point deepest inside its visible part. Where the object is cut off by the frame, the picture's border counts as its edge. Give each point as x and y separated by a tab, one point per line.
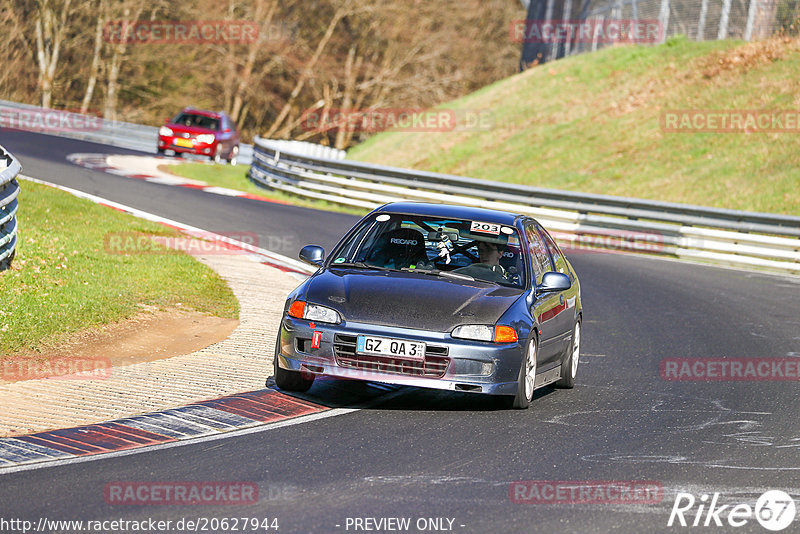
205	133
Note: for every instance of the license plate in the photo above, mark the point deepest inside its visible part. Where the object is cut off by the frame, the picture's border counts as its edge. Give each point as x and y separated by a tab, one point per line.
184	143
395	348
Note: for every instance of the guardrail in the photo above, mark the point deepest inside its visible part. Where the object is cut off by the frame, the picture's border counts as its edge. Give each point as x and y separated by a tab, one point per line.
304	148
580	221
9	191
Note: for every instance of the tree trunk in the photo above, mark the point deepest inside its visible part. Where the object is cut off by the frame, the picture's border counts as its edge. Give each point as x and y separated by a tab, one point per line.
265	20
347	99
95	67
112	80
49	31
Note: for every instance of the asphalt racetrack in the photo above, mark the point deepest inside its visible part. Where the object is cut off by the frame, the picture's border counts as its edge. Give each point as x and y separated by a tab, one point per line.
451	459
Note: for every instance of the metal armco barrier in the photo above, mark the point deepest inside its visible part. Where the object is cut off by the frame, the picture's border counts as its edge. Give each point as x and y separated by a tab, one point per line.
9	191
580	221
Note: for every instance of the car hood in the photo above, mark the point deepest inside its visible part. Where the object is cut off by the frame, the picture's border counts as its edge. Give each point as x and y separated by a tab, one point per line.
409	300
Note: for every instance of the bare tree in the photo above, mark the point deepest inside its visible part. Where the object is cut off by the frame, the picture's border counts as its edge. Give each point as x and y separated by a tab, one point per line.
94	69
264	16
352	54
50	29
343	9
115	63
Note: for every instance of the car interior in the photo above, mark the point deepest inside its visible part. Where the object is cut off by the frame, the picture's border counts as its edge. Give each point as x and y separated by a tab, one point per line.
441	245
197	121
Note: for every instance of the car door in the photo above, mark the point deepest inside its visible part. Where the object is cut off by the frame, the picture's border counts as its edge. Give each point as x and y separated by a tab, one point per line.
546	306
565	319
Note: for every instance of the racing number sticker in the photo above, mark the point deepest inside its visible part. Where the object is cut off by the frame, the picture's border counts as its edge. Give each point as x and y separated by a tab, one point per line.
485	228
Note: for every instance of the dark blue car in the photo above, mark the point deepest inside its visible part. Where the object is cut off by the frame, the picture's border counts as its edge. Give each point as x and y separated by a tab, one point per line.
436	296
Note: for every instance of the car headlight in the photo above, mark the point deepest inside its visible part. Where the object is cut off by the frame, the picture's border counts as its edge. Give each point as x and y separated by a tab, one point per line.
484	332
164	131
478	332
205	138
313	312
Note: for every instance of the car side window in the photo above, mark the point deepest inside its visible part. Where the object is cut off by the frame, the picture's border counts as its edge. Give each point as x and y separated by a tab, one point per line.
539	258
555	252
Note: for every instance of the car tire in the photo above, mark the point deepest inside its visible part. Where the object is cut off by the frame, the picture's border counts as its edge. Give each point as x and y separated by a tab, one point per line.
525	384
288	380
570	361
233	155
217	157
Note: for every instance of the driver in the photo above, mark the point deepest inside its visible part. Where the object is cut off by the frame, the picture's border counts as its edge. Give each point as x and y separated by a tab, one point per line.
488	266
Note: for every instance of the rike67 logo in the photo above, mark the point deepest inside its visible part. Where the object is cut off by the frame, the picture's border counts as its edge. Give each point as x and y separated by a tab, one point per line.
774	510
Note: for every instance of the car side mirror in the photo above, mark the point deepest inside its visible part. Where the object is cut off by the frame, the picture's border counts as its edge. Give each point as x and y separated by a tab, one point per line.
554	281
313	254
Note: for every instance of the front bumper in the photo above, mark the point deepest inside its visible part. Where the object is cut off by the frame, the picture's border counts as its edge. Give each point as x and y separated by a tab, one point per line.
463	365
201	149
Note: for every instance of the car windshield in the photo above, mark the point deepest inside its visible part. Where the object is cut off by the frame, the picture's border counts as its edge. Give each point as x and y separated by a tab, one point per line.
197	121
481	250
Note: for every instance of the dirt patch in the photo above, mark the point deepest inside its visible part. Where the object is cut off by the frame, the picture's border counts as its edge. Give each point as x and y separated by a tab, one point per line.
748	56
148	336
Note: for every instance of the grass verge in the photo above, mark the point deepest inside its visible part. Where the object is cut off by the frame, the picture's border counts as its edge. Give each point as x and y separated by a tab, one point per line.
591	123
64	280
236	177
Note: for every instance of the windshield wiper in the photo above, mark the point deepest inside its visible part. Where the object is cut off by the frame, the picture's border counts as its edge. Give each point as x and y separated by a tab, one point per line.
457	276
361	265
439	272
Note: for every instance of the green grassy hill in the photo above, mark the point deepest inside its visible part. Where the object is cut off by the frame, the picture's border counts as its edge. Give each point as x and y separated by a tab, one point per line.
591	123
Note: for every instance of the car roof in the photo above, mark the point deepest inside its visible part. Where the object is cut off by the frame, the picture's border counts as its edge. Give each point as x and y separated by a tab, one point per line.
447	210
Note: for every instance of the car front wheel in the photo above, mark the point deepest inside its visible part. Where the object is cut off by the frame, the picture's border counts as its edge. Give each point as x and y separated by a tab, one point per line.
526	379
569	366
288	380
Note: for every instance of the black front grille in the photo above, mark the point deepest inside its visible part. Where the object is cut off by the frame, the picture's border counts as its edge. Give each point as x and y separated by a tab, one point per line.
434	365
